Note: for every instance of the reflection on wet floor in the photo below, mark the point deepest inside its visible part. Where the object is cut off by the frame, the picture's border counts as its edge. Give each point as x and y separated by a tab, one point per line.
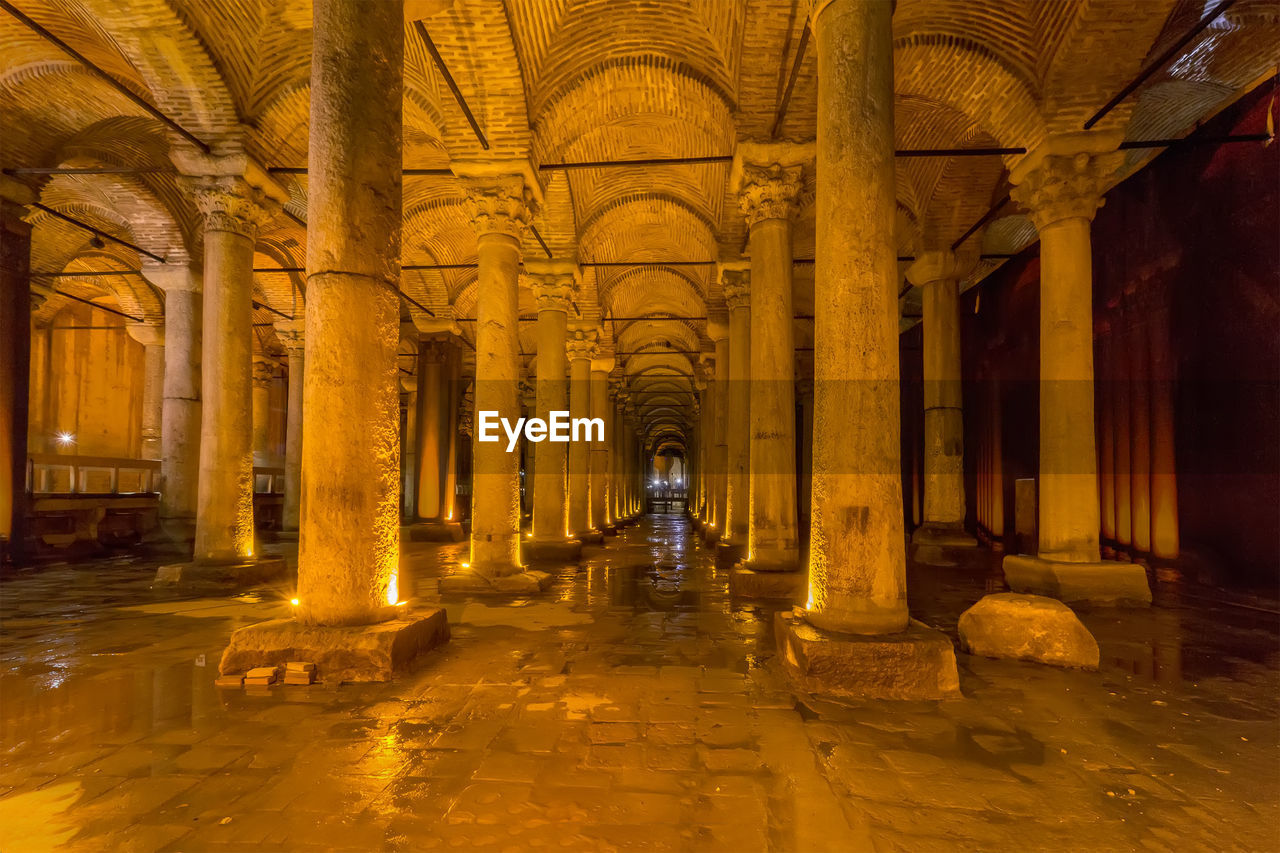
633	706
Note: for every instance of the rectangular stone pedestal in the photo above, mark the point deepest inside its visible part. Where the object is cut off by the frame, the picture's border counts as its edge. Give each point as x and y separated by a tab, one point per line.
552	551
728	553
747	583
436	531
943	537
1101	583
918	663
591	537
347	653
469	583
264	569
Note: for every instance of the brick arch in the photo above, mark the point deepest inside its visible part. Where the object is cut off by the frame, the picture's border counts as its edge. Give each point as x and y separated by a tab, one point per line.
640	291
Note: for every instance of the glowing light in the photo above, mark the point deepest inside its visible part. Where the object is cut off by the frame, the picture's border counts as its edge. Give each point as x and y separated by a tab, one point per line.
465	565
528	536
393	588
66	438
294	602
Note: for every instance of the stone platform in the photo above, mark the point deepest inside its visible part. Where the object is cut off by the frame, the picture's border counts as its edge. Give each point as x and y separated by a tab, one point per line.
745	582
470	583
918	663
1101	583
342	653
436	531
551	551
264	569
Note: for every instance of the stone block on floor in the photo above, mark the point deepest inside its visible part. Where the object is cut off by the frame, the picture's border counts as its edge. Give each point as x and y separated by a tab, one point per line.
470	583
551	551
748	583
341	653
918	663
251	572
1102	583
1027	627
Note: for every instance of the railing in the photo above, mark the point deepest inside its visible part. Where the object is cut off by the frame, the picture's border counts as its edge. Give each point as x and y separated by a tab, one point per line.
57	474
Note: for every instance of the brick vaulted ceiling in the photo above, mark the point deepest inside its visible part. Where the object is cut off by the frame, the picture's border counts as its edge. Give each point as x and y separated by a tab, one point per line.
584	80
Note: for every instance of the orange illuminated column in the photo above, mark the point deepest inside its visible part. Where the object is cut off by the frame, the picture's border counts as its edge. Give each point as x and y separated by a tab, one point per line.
151	336
1061	184
15	360
996	486
1140	425
1164	477
294	339
737	507
580	347
1106	435
618	466
438	398
263	376
718	450
235	197
1122	338
601	517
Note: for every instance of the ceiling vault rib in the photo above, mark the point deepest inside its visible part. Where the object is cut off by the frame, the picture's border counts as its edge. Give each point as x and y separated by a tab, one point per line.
111	81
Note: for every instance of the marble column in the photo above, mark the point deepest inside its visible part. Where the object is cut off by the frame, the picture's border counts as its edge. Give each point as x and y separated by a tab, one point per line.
1164	471
737	509
500	197
263	377
1140	427
236	198
1121	445
601	476
180	416
1106	438
151	336
15	360
718	451
938	274
768	190
580	348
1061	184
293	336
554	284
617	468
703	426
854	637
437	402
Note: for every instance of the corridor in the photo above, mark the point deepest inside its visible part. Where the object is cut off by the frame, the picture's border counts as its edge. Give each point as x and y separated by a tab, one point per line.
632	706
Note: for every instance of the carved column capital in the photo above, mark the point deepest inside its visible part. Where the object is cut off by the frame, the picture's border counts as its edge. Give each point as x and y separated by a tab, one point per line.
263	373
147	334
582	344
292	337
499	205
939	265
769	191
230	203
1055	183
737	287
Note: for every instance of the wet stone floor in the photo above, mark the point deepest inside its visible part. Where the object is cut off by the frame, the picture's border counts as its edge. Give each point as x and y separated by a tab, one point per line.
634	706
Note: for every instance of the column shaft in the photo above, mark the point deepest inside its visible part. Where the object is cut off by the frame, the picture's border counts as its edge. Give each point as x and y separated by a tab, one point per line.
292	514
944	500
738	491
436	424
550	503
1106	434
720	452
1140	434
153	402
348	559
180	417
262	379
15	358
1164	474
1121	446
600	491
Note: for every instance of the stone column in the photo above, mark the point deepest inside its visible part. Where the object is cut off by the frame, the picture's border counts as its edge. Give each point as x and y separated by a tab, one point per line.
601	493
580	348
938	274
805	486
236	197
151	336
1121	447
737	507
1061	184
1106	438
1140	428
15	365
500	197
554	284
771	180
180	416
703	388
617	467
263	376
1164	471
293	337
718	451
437	403
857	562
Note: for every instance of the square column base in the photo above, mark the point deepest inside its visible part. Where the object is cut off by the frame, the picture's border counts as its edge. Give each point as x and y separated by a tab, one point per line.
609	530
591	537
943	537
746	582
244	573
469	583
918	663
436	531
710	536
728	553
551	551
1101	583
340	653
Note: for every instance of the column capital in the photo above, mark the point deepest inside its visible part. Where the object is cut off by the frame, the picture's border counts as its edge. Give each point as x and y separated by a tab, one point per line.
554	283
180	278
736	282
501	195
437	348
147	334
231	203
582	344
263	372
292	335
769	177
1066	176
717	330
602	363
939	265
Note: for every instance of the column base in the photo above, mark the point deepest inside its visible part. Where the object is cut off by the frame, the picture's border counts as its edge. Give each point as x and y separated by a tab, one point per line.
1101	583
551	550
918	663
470	583
591	537
436	531
746	582
340	653
610	529
288	535
695	524
943	536
710	535
250	572
728	553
